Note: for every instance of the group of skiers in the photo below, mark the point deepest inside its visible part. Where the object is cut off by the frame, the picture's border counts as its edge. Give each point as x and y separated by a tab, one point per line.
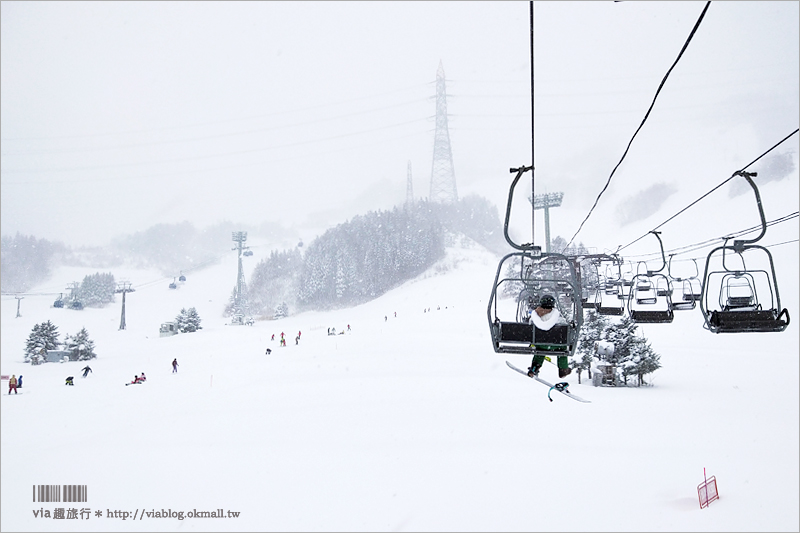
16	382
283	340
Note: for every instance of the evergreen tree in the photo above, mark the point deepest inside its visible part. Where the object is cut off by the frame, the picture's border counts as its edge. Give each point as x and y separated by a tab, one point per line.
188	321
81	345
632	354
43	337
594	324
642	360
97	290
621	335
281	311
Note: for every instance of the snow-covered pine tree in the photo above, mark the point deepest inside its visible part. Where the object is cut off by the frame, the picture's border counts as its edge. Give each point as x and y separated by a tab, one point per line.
43	337
281	311
642	360
622	335
188	321
594	324
81	345
97	290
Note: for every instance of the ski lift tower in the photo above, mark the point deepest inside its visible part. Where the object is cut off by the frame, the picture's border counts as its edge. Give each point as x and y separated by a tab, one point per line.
546	201
239	237
124	287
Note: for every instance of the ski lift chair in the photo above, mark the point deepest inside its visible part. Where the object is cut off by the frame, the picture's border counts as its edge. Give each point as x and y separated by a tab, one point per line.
665	288
739	307
643	300
687	301
613	310
689	294
182	278
740	310
645	309
173	285
531	275
520	336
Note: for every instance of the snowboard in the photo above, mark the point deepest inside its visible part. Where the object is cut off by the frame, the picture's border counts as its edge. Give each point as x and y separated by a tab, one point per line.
565	391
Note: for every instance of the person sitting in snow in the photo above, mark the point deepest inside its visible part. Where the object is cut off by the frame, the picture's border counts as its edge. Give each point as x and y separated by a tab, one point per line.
142	378
69	381
544	317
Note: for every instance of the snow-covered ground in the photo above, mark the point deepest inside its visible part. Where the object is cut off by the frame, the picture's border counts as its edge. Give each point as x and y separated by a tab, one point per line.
407	423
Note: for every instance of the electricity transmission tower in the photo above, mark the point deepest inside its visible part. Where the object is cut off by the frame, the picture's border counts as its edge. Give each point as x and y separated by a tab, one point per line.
409	187
239	304
124	287
546	201
443	176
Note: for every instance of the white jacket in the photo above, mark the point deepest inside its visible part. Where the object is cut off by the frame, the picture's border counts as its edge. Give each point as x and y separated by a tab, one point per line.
549	320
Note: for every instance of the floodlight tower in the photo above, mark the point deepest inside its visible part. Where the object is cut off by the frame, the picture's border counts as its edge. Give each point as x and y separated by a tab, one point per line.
546	201
443	176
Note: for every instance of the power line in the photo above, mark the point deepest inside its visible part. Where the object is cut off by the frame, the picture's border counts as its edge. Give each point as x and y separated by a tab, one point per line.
213	123
647	114
210	137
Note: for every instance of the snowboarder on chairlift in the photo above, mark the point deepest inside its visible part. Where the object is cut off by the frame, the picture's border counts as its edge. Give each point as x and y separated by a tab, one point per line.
544	317
86	370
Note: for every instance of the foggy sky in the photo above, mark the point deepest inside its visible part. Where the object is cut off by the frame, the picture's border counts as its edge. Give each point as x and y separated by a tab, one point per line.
120	115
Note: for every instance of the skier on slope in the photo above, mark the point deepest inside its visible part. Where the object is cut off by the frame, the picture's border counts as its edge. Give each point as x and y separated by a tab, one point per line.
12	384
19	382
86	370
544	317
174	365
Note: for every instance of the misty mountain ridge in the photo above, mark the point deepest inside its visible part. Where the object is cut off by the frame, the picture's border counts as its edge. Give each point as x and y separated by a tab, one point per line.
370	253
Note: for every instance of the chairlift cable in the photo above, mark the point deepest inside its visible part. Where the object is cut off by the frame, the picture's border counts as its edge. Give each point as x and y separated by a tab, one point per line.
647	114
712	190
709	242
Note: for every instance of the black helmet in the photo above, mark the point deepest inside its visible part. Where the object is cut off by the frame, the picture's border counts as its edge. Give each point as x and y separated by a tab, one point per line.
547	302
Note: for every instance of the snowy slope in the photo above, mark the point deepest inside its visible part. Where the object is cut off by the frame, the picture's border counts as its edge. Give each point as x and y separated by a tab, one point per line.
407	423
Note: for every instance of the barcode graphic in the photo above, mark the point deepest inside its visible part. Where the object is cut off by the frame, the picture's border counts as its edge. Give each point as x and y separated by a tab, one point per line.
54	493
